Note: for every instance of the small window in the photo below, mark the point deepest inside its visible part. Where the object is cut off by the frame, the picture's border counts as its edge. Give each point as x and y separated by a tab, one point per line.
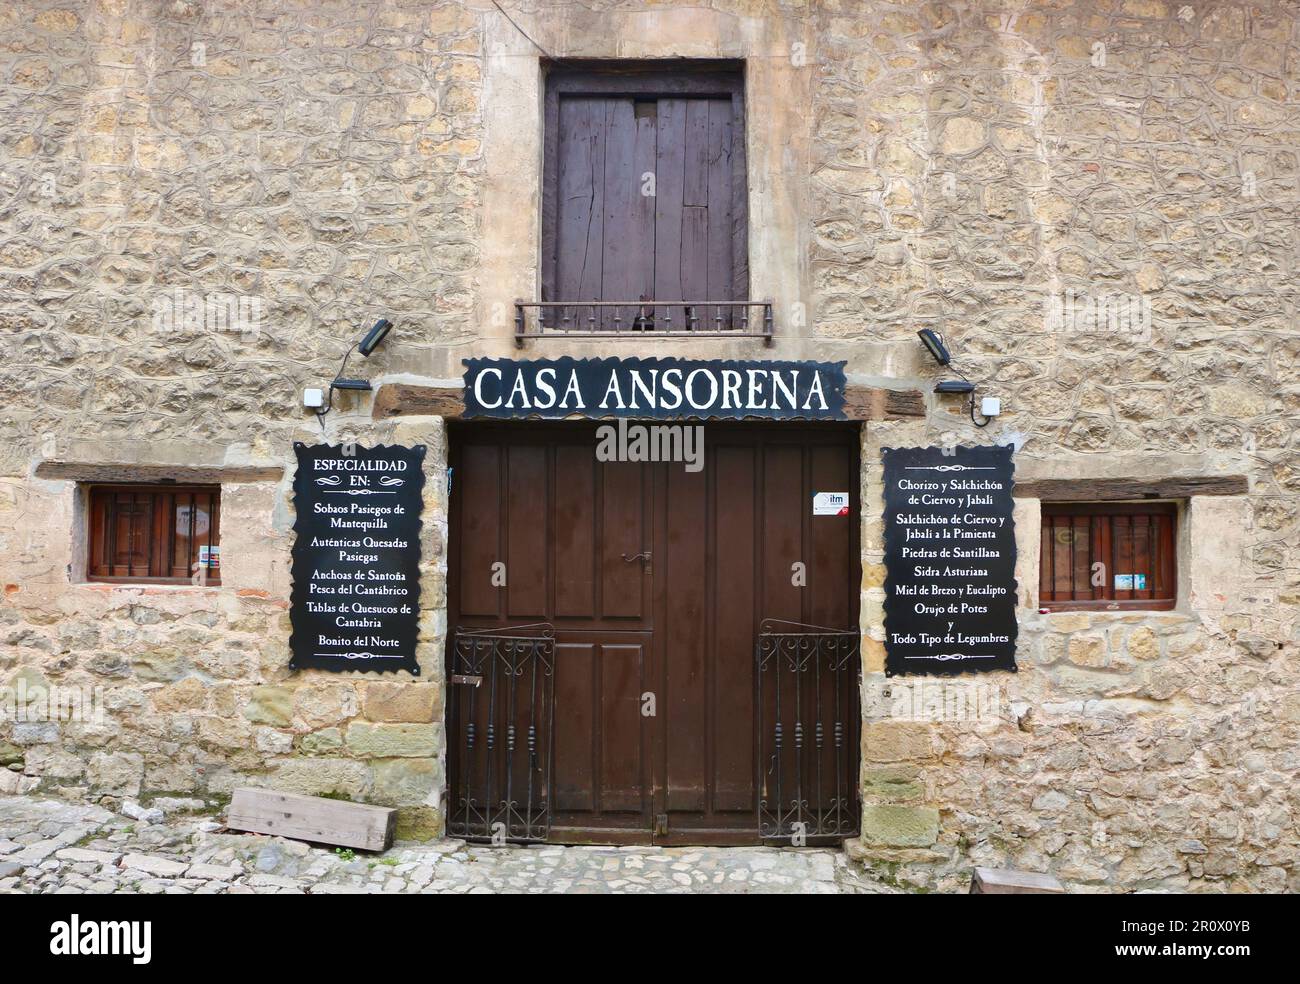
155	533
1108	556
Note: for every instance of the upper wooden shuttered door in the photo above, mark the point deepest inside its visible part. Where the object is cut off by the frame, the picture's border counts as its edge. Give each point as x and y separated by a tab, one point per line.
644	197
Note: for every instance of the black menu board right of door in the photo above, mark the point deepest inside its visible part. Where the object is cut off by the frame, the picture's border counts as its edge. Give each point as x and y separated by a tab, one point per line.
950	559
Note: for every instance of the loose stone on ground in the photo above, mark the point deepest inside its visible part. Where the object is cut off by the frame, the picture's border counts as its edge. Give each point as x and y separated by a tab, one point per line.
49	846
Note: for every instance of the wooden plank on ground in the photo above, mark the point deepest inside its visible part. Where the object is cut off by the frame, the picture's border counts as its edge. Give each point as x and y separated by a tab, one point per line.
312	818
1008	881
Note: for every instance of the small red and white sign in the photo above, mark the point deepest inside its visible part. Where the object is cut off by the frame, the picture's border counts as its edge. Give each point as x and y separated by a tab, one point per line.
830	503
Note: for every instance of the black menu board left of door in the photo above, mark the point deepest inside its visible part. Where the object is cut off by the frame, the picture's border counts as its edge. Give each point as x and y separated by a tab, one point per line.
355	603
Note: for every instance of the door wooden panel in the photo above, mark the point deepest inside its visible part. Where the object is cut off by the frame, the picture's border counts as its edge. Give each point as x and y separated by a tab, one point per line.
628	260
622	759
579	229
573	547
600	763
734	501
624	534
694	209
832	600
783	511
575	762
525	557
684	698
480	480
655	580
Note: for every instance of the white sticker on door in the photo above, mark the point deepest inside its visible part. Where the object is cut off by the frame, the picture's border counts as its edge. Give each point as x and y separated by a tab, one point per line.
830	503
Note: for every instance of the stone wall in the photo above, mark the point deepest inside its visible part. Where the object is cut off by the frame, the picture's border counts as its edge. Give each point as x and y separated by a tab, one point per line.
991	170
190	685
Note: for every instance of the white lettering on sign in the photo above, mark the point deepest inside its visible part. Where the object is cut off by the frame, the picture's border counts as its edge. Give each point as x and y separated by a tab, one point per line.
653	387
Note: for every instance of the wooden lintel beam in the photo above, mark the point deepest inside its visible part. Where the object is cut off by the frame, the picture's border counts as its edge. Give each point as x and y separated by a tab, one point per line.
407	400
97	471
1110	489
876	403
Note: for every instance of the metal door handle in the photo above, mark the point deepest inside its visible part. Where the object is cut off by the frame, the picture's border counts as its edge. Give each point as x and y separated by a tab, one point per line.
644	555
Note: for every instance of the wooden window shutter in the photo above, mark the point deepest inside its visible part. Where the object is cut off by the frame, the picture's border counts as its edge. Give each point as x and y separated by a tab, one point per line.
1108	556
162	533
645	200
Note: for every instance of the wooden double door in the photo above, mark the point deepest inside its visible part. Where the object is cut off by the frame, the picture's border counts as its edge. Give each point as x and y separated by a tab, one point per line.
652	582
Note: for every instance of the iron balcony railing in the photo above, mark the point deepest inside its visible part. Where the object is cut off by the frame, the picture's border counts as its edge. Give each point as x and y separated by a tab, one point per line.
643	319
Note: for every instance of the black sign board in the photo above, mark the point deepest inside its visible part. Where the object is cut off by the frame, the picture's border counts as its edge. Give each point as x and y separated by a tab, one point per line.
356	560
950	560
654	388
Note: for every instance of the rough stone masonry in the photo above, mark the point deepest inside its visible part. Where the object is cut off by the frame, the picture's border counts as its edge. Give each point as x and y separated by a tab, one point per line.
971	167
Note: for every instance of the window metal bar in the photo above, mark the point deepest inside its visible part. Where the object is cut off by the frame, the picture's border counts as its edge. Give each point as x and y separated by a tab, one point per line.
130	537
731	319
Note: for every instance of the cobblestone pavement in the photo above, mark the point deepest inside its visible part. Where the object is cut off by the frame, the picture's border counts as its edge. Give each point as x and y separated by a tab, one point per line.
51	846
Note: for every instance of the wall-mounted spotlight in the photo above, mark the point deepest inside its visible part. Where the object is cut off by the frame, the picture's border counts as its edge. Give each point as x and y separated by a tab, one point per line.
933	341
372	340
935	345
374	337
955	386
351	384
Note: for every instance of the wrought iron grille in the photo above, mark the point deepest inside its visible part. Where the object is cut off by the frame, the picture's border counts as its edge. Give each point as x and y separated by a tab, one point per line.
807	699
501	702
643	319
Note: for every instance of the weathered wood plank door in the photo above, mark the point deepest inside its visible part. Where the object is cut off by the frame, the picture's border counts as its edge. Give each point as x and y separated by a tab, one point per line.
563	534
655	580
740	545
648	204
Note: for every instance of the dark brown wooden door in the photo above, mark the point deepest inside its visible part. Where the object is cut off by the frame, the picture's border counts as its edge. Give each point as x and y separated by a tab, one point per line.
656	580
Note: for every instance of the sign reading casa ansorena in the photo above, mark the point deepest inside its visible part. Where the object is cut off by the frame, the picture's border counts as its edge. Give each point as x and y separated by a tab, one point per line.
950	560
355	603
654	388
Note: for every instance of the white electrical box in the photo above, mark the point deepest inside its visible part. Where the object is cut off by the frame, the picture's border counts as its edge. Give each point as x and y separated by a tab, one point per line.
990	406
313	398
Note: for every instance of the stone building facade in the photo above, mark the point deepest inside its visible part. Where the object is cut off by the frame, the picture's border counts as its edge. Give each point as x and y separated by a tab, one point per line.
989	170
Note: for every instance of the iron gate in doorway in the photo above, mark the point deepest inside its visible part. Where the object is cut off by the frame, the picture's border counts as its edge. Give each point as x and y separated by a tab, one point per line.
501	701
807	699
